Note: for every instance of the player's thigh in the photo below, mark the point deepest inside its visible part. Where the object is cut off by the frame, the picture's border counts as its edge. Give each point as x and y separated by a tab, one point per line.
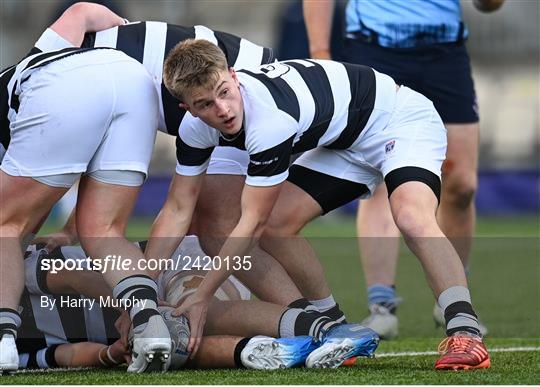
104	206
319	181
131	132
24	202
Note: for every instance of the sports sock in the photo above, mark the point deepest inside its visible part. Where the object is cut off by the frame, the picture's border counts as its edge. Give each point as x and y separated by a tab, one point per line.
384	295
302	303
10	321
458	312
324	304
136	289
238	351
298	322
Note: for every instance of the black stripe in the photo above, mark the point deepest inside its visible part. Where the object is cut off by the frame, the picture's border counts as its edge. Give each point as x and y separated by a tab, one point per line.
131	39
49	356
318	84
187	155
110	315
284	96
41	275
50	54
239	140
458	307
177	34
362	84
229	44
89	39
172	111
268	55
143	316
132	288
32	360
273	161
29	337
33	51
72	319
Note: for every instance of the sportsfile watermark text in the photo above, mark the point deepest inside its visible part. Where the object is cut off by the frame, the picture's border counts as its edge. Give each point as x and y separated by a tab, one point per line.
116	262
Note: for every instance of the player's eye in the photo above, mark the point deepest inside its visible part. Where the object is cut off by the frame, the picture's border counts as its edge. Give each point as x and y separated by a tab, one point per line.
224	92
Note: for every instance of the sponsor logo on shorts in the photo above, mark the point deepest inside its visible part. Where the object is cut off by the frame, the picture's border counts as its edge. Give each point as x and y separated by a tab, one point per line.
389	147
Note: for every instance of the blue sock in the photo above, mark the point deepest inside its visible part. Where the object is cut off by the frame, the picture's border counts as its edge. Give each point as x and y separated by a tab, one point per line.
384	295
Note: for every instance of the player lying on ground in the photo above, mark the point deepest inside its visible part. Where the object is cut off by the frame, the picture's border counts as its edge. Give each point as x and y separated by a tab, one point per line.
55	313
356	128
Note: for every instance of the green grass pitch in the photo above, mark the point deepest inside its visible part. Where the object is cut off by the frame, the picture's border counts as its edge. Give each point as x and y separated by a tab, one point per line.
505	285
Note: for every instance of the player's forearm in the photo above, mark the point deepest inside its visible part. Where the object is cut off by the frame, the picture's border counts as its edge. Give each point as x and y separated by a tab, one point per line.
86	354
318	15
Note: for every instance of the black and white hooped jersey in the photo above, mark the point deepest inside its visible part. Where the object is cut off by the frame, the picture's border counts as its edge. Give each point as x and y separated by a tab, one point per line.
11	80
150	42
291	107
45	325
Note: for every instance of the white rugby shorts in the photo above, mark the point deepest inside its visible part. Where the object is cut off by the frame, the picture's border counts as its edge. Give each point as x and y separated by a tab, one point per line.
410	135
88	112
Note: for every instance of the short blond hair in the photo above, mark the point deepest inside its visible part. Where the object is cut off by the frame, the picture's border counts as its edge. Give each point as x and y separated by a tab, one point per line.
193	64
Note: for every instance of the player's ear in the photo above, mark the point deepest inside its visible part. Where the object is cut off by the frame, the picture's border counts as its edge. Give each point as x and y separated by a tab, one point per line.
233	75
184	106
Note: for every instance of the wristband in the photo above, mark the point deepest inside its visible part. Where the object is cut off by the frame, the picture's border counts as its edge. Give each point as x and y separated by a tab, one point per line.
110	357
103	363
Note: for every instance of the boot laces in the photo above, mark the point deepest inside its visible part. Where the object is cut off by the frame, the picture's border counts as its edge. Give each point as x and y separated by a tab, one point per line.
456	344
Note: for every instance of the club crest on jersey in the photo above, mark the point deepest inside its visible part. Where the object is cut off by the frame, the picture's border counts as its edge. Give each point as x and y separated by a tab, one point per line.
389	147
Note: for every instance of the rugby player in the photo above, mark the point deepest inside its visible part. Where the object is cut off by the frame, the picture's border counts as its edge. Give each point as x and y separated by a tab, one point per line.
356	128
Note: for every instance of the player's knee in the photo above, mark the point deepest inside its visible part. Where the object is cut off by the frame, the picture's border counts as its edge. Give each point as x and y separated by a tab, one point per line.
283	226
411	220
460	190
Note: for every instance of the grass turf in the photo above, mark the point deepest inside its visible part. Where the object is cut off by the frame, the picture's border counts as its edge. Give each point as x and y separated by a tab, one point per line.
505	287
507	368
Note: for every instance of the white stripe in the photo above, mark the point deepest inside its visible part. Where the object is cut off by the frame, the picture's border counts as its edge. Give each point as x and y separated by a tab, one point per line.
341	93
153	57
40	358
249	55
48	321
202	32
429	353
106	38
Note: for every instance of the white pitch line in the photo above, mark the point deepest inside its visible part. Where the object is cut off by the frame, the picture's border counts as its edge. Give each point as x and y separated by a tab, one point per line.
384	354
428	353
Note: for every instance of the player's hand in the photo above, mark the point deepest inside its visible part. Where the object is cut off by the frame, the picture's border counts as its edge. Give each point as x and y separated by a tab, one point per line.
194	308
119	352
122	325
57	239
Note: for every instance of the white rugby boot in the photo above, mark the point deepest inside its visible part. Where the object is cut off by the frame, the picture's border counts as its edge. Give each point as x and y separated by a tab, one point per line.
382	321
151	347
9	357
